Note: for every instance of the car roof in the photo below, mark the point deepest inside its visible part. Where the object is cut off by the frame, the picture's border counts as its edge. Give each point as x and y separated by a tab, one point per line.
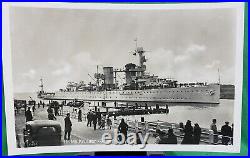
38	123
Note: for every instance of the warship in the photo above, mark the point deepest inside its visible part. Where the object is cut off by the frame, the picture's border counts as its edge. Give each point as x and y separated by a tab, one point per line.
139	86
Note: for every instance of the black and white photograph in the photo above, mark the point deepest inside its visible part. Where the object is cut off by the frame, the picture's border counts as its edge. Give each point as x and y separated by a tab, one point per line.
123	77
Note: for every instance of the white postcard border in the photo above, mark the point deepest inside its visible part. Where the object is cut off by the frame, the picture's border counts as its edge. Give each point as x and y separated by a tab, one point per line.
8	84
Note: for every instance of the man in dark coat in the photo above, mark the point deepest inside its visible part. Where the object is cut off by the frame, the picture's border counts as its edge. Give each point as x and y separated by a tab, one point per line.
79	115
226	132
50	110
56	108
28	115
94	119
89	118
33	108
188	137
171	139
51	116
68	127
99	117
197	133
123	128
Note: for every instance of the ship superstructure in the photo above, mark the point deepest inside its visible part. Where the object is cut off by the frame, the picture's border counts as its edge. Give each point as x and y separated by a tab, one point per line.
139	86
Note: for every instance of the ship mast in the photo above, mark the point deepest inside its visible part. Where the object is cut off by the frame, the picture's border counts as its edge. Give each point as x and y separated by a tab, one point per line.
219	75
97	79
140	51
41	85
135	42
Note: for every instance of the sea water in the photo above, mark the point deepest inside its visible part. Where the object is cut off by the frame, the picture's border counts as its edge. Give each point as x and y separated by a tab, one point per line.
179	112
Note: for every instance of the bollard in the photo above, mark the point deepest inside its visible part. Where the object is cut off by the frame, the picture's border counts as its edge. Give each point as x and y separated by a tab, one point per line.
211	136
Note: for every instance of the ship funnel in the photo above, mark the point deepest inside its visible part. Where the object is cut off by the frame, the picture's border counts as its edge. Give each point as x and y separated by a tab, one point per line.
108	77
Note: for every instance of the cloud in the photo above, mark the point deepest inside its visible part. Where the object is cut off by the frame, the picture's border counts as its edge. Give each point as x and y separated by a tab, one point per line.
195	49
187	66
160	62
31	74
65	70
213	64
192	51
74	68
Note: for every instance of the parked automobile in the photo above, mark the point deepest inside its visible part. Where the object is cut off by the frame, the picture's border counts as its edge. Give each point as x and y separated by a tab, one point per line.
42	133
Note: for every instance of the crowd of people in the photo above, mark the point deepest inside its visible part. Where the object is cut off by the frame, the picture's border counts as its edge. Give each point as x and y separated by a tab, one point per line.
28	113
192	134
97	118
226	132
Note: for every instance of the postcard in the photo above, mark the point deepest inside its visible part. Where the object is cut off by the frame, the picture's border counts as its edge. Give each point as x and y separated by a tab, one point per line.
89	77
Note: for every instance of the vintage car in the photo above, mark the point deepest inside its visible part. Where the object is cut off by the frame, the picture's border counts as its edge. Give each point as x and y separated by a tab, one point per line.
42	133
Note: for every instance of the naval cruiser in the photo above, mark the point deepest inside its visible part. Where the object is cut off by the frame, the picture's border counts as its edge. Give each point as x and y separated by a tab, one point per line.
139	86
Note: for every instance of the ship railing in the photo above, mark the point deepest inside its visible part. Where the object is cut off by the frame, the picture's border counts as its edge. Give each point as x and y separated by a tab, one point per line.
207	136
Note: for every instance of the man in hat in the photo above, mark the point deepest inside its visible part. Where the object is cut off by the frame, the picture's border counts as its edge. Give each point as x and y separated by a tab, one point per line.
68	128
214	128
197	133
171	139
188	137
226	132
28	115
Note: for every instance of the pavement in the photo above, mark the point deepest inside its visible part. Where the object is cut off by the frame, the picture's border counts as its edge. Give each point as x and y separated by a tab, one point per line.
81	134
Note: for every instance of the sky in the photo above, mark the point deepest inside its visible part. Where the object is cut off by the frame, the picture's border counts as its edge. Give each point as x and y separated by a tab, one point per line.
62	45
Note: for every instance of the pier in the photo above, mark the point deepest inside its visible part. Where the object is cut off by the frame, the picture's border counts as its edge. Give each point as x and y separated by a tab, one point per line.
80	131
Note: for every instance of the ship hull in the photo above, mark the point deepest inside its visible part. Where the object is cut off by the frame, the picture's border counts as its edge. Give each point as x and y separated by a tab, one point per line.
206	94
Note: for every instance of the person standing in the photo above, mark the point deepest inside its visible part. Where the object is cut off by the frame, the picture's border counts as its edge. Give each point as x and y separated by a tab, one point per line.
99	117
188	130
213	127
167	109
51	116
102	125
89	118
109	123
123	128
50	110
28	115
94	119
33	108
56	108
226	132
68	127
171	139
79	115
197	133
